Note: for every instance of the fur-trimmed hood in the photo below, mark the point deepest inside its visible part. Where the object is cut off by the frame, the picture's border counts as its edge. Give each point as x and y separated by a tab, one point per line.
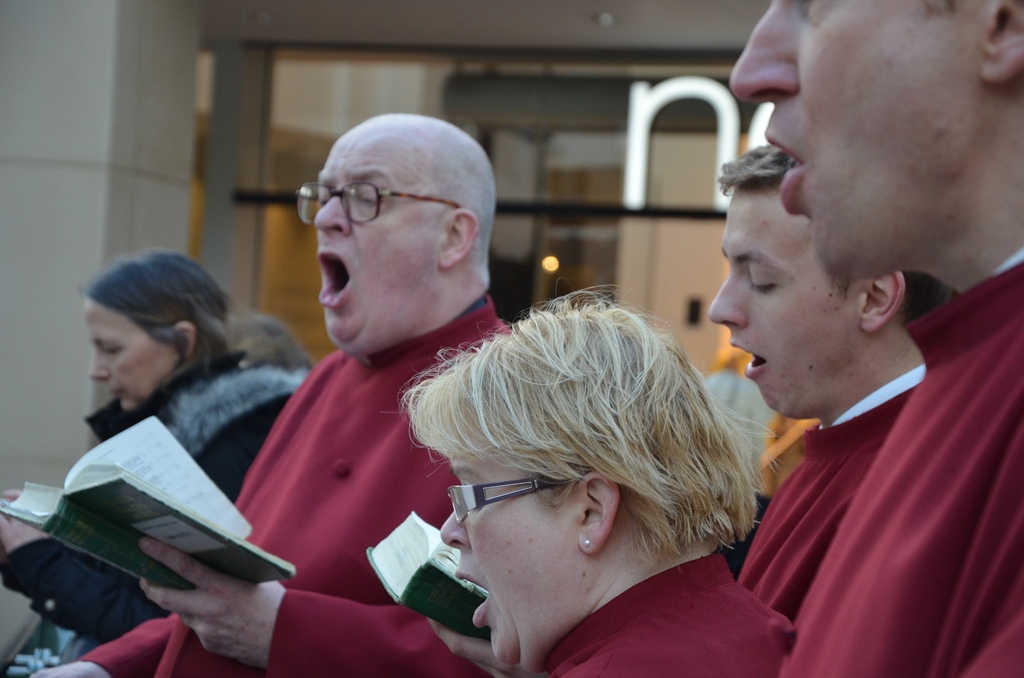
197	412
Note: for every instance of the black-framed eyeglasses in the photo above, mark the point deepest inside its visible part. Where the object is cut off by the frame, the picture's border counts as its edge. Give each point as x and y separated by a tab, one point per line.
465	498
360	200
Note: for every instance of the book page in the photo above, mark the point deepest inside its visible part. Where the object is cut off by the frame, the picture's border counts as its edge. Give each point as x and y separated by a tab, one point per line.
400	554
446	559
418	570
36	501
149	451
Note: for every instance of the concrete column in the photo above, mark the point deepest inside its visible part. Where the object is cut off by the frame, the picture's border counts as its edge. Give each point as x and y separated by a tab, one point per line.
96	138
235	159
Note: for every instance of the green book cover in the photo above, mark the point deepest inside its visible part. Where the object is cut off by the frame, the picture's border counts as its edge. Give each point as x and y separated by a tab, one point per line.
109	542
142	482
418	571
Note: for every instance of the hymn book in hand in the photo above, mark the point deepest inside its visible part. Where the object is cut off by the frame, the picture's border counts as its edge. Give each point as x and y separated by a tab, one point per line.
143	482
418	570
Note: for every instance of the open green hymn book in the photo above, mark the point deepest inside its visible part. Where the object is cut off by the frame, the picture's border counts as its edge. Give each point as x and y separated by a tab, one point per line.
418	570
143	482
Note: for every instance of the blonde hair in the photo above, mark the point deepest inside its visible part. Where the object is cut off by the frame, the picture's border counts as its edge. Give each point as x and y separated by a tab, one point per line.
583	384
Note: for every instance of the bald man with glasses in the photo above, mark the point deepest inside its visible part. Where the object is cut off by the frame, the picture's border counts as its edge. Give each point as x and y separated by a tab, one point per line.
403	211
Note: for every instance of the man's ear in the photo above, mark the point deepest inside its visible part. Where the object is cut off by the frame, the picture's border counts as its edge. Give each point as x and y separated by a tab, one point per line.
600	504
187	331
881	301
460	232
1003	43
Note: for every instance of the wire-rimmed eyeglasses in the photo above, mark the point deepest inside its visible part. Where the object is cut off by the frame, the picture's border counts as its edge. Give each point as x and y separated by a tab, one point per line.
465	498
360	200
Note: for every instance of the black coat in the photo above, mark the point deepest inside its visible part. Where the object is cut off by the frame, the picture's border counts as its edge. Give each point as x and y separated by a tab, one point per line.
221	416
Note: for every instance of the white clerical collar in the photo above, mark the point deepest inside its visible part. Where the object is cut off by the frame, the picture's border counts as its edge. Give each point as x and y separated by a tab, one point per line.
894	388
1017	258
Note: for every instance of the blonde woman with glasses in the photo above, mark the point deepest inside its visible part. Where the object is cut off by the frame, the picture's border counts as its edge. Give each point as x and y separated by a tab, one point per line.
596	479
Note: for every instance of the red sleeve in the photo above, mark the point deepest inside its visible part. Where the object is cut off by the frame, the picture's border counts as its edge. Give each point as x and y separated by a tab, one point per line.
1003	656
136	653
322	635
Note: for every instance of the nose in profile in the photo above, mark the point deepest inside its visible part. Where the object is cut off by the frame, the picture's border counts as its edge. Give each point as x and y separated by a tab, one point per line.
766	71
97	369
453	533
332	217
724	309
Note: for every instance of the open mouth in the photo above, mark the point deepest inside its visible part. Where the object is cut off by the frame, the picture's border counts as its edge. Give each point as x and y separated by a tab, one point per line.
335	281
335	273
753	370
755	360
459	574
775	142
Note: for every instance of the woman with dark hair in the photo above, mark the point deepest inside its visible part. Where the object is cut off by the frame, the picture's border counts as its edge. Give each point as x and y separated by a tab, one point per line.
158	327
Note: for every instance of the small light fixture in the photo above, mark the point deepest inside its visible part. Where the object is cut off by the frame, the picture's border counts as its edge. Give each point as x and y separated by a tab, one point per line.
549	263
604	19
